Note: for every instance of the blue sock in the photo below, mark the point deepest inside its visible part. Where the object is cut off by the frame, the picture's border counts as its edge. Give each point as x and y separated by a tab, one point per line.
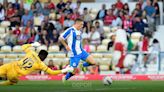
68	75
86	64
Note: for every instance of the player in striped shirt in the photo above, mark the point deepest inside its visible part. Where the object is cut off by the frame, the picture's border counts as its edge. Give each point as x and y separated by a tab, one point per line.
71	39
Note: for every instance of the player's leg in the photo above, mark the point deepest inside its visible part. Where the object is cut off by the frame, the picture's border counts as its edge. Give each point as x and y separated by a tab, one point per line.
4	74
88	58
8	82
74	61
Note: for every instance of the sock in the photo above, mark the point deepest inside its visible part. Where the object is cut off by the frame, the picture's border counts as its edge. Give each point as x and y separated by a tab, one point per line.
68	75
86	64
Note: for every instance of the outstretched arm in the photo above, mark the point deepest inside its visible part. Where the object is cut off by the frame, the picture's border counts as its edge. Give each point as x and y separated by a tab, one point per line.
26	47
55	72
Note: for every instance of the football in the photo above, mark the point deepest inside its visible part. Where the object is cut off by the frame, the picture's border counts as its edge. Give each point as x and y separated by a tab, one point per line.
107	80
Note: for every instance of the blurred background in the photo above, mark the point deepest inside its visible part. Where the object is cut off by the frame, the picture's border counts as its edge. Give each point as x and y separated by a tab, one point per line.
28	21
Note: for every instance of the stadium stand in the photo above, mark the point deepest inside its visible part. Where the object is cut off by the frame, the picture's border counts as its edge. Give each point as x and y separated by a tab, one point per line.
48	31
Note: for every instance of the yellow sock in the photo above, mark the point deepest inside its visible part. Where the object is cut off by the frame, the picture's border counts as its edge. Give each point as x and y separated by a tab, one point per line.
5	83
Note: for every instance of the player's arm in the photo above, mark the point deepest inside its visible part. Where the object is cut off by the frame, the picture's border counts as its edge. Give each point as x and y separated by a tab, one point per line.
54	72
63	37
26	47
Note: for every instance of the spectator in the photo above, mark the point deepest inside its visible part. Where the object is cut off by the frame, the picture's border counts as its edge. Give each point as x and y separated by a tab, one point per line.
46	10
150	10
38	6
16	18
75	14
51	5
156	45
54	38
62	18
84	34
86	45
1	61
60	6
68	10
101	14
157	14
68	22
21	10
52	14
28	27
16	5
10	38
118	21
154	52
86	16
50	29
23	37
33	36
58	26
127	24
108	19
111	43
143	47
150	13
94	37
38	19
141	4
99	29
17	31
121	15
126	8
119	5
139	25
32	10
114	9
43	38
51	65
87	27
2	13
25	18
10	12
138	8
76	5
46	22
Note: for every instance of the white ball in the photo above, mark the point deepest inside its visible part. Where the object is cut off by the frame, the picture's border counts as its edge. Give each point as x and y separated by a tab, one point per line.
107	80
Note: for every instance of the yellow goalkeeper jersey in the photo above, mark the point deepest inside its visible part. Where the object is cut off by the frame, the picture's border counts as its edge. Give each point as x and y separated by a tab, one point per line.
30	63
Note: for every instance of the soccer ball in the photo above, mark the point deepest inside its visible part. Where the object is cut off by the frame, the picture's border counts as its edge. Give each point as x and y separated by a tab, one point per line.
107	80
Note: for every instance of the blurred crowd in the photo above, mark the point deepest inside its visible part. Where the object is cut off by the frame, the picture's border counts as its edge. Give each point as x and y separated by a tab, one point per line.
45	21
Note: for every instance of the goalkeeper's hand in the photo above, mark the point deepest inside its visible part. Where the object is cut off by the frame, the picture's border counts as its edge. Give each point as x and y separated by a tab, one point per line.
67	69
35	44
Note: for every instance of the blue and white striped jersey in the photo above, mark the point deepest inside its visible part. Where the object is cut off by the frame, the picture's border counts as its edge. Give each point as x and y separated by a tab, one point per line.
73	39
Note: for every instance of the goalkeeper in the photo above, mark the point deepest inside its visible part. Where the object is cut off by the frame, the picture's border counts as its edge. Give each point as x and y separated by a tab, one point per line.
30	63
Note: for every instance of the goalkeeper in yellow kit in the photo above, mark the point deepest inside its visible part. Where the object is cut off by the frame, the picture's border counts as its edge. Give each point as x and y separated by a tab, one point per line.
30	63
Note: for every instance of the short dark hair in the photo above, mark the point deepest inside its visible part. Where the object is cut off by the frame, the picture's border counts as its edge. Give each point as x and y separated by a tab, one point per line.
78	20
85	8
155	41
43	55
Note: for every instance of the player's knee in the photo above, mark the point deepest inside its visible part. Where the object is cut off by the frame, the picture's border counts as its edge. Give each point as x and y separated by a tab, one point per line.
14	81
91	60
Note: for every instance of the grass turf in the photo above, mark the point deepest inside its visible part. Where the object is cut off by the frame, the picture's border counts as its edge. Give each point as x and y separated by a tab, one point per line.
85	86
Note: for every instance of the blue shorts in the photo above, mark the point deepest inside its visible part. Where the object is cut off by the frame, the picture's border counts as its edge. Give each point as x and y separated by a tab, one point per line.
74	61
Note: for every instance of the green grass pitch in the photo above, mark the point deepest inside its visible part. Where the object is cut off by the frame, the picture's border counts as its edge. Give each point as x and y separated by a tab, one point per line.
85	86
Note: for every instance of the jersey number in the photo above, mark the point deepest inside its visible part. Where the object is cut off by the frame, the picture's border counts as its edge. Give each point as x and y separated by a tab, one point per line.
27	63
